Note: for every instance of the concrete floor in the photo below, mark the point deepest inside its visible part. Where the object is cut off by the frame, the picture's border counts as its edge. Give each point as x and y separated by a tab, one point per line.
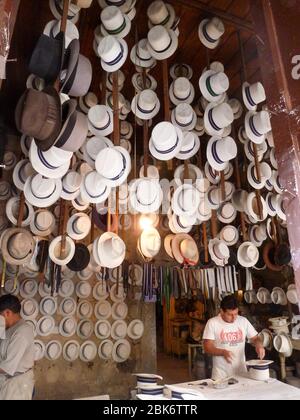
172	368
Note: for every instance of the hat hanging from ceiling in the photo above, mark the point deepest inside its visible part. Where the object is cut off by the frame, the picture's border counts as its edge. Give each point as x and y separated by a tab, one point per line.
22	171
161	13
87	101
71	351
115	22
184	249
42	192
56	7
100	120
114	165
230	235
184	117
88	351
166	141
17	246
265	175
55	250
109	81
29	309
71	185
149	243
140	84
258	234
140	55
219	252
185	200
213	86
94	188
181	91
52	29
249	150
162	42
181	224
135	275
257	125
247	255
217	117
252	208
5	190
145	105
227	213
253	95
220	152
39	115
109	249
12	211
181	70
78	226
113	53
81	258
93	147
194	174
54	163
126	130
121	351
210	32
135	329
42	223
124	5
145	195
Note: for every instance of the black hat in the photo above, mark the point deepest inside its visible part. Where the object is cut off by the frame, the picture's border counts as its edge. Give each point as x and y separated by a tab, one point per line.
47	57
282	254
81	258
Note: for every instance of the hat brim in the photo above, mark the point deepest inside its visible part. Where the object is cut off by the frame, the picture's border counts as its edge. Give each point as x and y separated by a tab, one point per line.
175	246
42	202
205	42
81	351
169	52
42	169
100	316
115	67
34	314
114	314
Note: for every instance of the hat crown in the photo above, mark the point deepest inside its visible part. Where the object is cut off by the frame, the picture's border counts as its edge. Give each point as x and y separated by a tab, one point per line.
215	28
142	50
43	220
18	245
257	92
181	87
72	180
114	246
164	134
157	12
109	48
227	210
226	149
147	100
223	115
229	234
249	253
235	105
137	328
112	165
221	250
112	17
99	116
42	187
219	83
159	38
262	122
94	182
146	191
188	141
188	248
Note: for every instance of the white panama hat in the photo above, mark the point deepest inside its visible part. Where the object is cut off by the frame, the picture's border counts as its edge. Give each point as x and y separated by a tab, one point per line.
166	141
184	117
247	255
102	310
46	326
115	22
135	329
278	296
230	235
94	188
259	370
105	349
42	223
181	91
110	250
22	171
67	307
88	351
87	101
292	294
253	95
48	306
210	32
145	105
257	125
11	287
100	120
252	208
71	350
84	309
28	288
83	289
161	13
265	174
181	70
249	150
203	211
66	288
45	290
119	310
220	152
78	226
85	329
113	53
194	174
146	379
150	242
145	195
29	308
126	130
56	7
114	165
219	252
109	81
140	55
53	350
100	290
102	329
162	42
258	234
190	146
283	344
121	350
67	326
9	161
185	200
12	211
55	247
54	163
216	118
181	224
213	86
42	192
39	350
227	213
71	185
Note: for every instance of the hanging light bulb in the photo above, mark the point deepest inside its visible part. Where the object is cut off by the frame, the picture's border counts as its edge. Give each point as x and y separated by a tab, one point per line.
146	222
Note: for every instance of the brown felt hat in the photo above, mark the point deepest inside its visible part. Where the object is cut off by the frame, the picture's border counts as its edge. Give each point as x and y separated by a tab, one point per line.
38	114
269	252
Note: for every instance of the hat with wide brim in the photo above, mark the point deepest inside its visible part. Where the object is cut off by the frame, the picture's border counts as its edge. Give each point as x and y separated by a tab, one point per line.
204	37
102	310
107	259
143	113
251	208
135	329
102	329
88	351
55	247
251	131
72	229
251	259
216	161
52	29
117	293
103	161
48	305
211	126
189	206
48	228
108	14
140	55
168	245
84	309
107	44
53	350
175	99
85	329
145	195
23	247
119	329
71	350
45	326
105	349
12	211
22	170
83	289
41	200
230	235
29	308
283	344
207	90
190	146
100	120
66	288
28	288
219	252
67	326
170	46
175	245
119	310
172	149
121	350
67	307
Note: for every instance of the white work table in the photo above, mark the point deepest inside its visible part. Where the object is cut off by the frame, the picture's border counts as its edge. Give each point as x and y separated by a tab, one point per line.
246	389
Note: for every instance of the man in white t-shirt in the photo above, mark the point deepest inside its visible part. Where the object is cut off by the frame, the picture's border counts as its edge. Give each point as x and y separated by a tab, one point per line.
224	338
16	352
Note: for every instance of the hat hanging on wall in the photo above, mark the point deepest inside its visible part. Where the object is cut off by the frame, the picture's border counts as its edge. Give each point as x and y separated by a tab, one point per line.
145	105
88	351
162	42
67	307
265	175
121	350
210	32
17	246
102	329
230	235
114	22
213	86
216	118
42	223
113	53
85	329
67	327
29	309
78	226
105	349
102	310
109	249
257	125
219	252
84	309
71	185
80	259
53	350
55	249
71	350
166	141
135	329
253	95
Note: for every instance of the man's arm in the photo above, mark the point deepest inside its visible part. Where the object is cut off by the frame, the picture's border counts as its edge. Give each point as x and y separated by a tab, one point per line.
210	348
259	348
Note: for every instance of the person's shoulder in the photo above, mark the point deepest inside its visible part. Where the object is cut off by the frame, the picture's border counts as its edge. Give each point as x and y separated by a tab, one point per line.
213	320
25	328
243	320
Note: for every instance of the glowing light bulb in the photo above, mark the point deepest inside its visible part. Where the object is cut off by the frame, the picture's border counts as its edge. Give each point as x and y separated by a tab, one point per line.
145	222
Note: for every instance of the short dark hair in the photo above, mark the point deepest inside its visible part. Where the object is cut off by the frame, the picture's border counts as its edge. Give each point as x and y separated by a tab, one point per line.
229	303
10	302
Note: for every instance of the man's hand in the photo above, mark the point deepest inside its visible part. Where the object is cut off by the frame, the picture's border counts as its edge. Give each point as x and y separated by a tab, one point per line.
228	356
260	351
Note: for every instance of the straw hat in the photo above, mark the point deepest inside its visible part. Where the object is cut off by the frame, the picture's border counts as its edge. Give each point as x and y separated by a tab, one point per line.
135	329
248	255
181	91
213	86
85	329
253	95
195	174
78	226
53	350
249	151
217	117
67	307
100	120
145	195
67	326
88	351
140	55
56	7
150	243
160	13
66	288
237	108
39	350
83	289
190	146
219	252
71	350
45	326
258	234
114	165
283	344
55	249
113	53
278	296
166	141
119	329
168	245
5	190
114	22
28	288
102	310
220	152
252	208
87	101
121	350
135	275
181	224
184	249
71	185
100	290
17	246
125	5
181	70
48	305
126	130
105	349
117	294
42	192
11	287
12	211
84	309
42	223
110	250
162	42
185	200
210	32
259	369
102	329
257	125
184	117
29	308
21	172
146	379
109	81
145	105
227	213
94	188
119	310
230	235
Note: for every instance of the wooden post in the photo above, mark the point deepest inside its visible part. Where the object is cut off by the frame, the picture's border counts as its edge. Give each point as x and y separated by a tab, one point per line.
166	100
116	133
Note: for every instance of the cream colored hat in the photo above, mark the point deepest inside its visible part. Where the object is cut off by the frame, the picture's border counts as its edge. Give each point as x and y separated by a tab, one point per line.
102	329
84	309
119	310
71	350
55	247
48	305
121	351
102	310
46	326
85	329
210	32
105	349
83	289
67	307
67	326
100	290
248	255
135	329
28	288
88	351
29	308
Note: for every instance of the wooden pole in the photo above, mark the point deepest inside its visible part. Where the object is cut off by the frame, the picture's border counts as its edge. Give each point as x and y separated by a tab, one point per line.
116	134
166	100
